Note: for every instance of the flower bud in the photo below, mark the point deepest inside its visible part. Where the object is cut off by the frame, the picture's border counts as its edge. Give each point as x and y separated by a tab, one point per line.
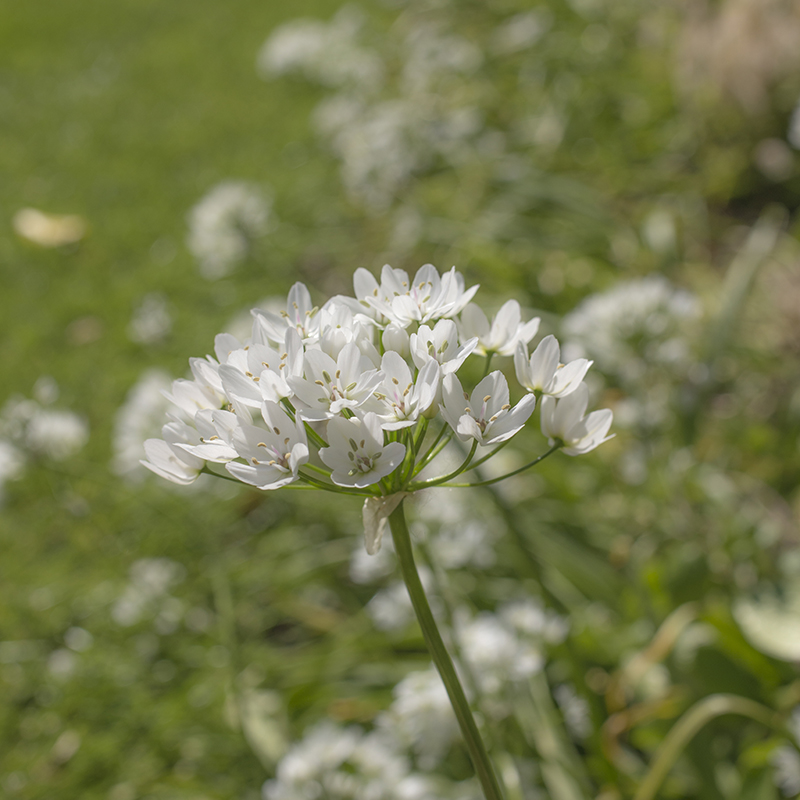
396	338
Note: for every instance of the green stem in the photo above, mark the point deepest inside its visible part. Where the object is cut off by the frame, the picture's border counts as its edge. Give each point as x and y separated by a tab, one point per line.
317	484
419	433
434	449
439	481
404	473
490	481
489	455
441	658
318	470
314	436
207	471
443	590
690	724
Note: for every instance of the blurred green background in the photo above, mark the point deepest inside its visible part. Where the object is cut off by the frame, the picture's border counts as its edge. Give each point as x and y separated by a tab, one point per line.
164	643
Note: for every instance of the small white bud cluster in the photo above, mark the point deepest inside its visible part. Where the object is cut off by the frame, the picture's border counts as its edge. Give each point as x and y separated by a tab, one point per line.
341	397
224	223
36	429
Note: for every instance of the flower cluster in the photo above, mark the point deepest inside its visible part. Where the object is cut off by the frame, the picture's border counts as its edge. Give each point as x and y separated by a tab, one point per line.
403	754
382	131
223	225
35	429
361	394
349	763
635	327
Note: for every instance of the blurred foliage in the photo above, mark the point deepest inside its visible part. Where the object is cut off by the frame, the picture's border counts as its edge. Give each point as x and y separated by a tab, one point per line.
157	643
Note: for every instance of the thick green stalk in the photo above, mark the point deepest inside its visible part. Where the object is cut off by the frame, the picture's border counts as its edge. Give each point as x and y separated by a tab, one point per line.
441	658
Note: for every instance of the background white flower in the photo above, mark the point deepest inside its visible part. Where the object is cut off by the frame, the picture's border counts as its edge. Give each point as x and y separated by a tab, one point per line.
223	225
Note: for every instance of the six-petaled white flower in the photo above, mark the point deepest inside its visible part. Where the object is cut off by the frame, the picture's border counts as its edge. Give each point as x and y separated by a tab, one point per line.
168	460
331	387
300	313
544	373
257	372
440	344
402	398
403	301
563	420
357	453
272	455
504	333
486	416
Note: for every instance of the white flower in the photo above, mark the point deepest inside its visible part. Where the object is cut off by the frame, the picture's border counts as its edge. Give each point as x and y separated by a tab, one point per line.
338	763
635	329
338	327
272	456
215	432
402	399
390	609
432	54
786	765
329	387
171	457
544	373
56	433
151	321
564	419
140	417
396	339
356	452
53	433
189	397
370	568
325	52
323	749
504	333
12	464
575	710
170	462
529	617
300	313
257	372
222	225
422	716
486	416
403	301
440	344
496	653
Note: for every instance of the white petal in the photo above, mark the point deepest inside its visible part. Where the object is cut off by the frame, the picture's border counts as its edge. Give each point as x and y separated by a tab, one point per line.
544	363
567	378
364	284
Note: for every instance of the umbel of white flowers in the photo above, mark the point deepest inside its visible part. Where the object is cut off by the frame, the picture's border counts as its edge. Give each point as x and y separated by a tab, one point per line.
359	395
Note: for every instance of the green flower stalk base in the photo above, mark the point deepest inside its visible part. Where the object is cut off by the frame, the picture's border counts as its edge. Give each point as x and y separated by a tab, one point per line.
441	658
